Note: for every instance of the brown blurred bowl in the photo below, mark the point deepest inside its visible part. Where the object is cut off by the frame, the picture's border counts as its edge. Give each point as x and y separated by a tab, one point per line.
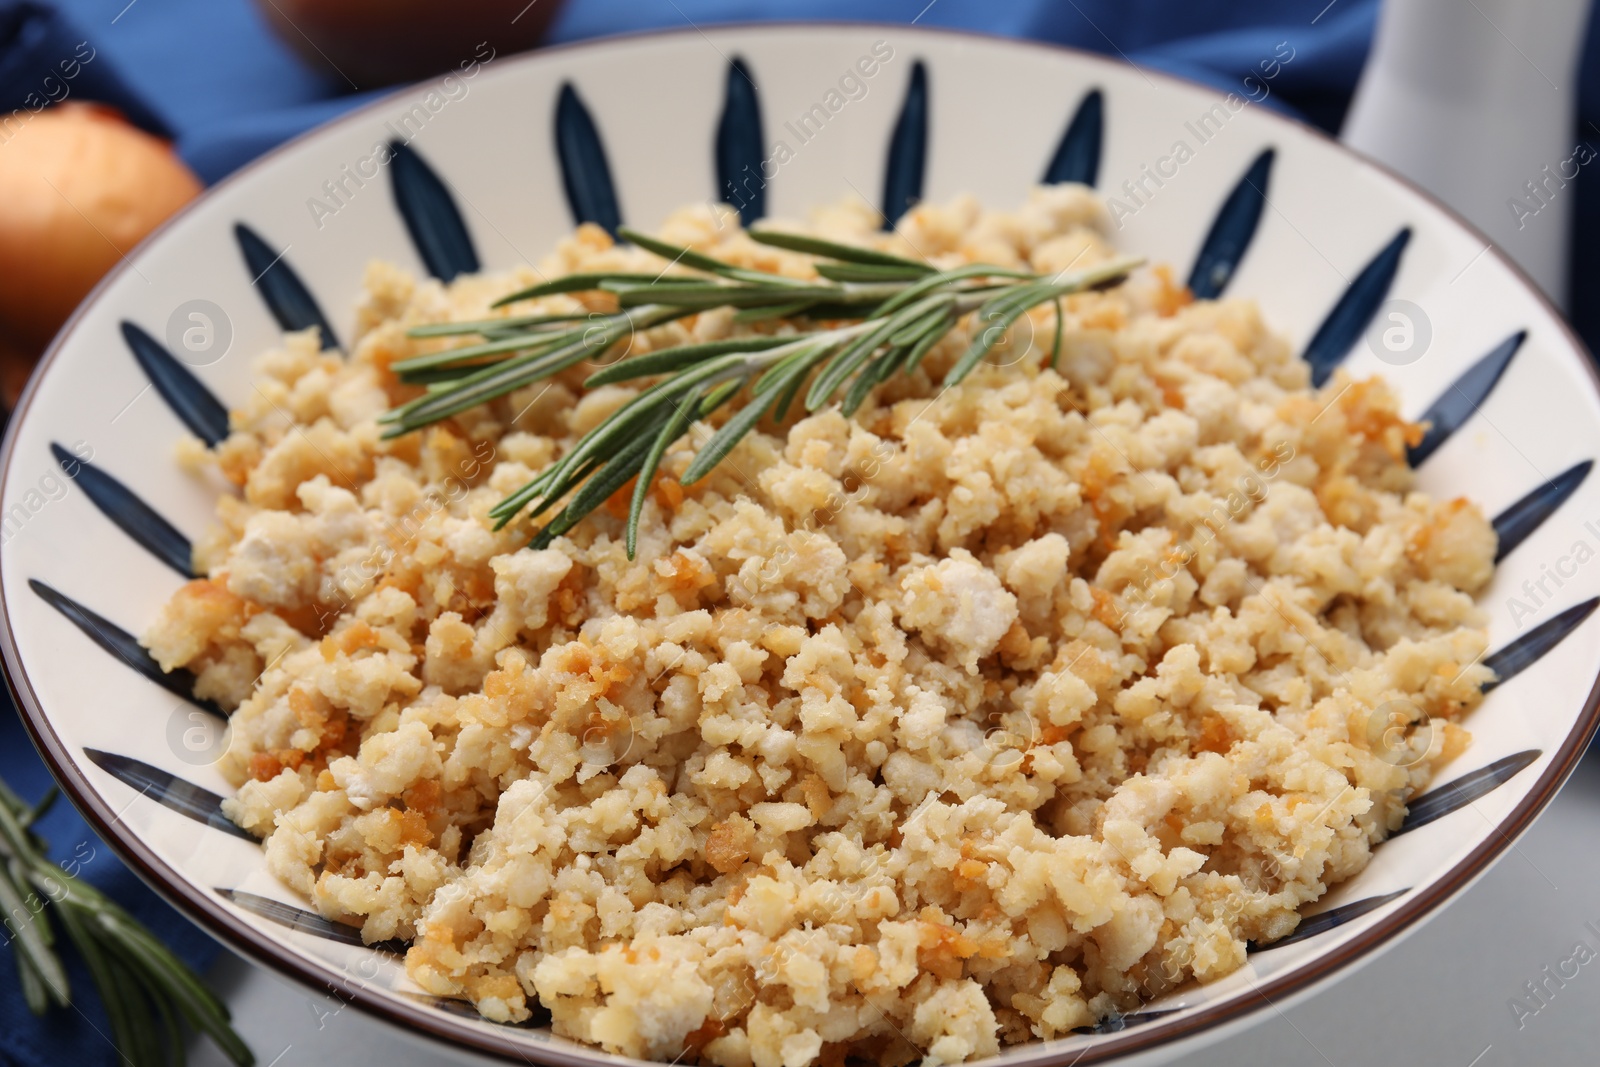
381	42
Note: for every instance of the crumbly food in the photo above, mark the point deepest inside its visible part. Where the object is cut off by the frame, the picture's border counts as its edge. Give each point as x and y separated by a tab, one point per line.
963	722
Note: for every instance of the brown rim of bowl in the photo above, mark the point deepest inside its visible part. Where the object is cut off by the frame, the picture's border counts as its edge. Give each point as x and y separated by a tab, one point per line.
208	911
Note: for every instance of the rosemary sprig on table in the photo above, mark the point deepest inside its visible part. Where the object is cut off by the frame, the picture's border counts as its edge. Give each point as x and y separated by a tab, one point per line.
870	316
147	991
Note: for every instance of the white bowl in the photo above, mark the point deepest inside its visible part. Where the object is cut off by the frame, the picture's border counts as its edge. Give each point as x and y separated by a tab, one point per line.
1313	230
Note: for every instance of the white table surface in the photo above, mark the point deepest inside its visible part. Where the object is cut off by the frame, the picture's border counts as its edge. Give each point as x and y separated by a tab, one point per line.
1441	997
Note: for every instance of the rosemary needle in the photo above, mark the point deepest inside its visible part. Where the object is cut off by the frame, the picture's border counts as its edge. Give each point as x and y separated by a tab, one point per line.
901	308
148	993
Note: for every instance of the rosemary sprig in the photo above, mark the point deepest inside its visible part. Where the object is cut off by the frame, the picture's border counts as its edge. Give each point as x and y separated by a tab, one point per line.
147	991
884	313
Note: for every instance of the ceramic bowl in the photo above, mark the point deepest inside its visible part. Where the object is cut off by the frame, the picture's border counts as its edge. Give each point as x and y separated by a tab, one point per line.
496	162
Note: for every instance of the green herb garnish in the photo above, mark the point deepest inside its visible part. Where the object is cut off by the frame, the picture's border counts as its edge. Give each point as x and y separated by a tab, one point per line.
900	309
149	994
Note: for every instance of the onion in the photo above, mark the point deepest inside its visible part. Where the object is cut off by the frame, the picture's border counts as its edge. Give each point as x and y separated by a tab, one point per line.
79	187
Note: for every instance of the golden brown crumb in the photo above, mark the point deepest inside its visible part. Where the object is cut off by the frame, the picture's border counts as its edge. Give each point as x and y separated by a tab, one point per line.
966	721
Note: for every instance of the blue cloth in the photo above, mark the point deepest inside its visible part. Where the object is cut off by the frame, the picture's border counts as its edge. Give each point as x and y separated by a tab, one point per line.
210	74
80	1035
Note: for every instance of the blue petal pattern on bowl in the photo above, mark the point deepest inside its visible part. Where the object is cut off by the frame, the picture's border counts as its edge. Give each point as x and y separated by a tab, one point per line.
1526	650
1464	790
124	646
430	213
168	790
1115	1024
1359	303
585	174
1077	157
1323	921
908	150
1232	230
132	516
740	180
286	296
1515	523
1461	401
307	922
192	402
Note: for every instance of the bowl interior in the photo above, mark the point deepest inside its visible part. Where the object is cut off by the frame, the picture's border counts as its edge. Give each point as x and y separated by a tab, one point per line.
995	112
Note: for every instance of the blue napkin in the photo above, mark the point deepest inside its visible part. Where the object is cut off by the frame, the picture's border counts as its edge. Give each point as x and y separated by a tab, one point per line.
80	1034
44	60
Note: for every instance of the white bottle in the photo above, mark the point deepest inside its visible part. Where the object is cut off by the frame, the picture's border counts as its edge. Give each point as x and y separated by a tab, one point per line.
1475	101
